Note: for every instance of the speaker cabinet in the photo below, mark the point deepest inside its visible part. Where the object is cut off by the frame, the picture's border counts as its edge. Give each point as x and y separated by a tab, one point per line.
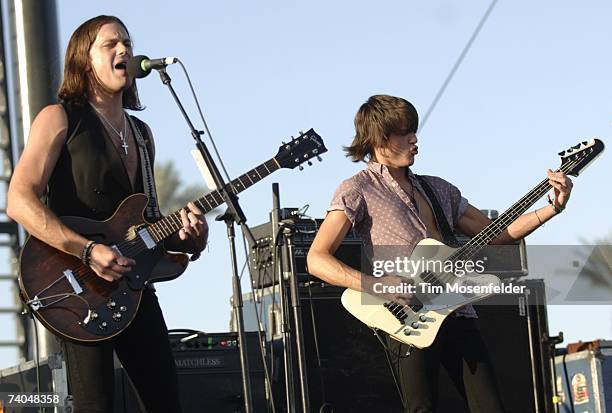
209	375
515	331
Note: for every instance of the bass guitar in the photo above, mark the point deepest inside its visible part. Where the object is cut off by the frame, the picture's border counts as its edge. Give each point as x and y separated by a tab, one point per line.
418	324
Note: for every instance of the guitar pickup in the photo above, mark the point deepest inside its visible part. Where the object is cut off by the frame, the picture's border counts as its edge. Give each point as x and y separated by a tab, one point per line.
146	238
73	281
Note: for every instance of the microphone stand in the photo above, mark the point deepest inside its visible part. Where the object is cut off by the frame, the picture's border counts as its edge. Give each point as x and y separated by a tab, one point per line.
282	231
233	214
288	361
288	230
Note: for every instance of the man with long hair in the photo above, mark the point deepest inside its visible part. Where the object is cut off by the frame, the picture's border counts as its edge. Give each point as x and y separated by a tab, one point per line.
83	157
388	205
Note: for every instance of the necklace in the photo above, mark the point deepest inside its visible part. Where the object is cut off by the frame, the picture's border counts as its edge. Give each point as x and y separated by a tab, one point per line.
120	133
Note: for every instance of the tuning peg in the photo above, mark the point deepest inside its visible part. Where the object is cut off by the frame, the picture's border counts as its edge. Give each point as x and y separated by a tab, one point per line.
309	163
283	142
292	138
585	143
319	158
301	168
301	133
576	146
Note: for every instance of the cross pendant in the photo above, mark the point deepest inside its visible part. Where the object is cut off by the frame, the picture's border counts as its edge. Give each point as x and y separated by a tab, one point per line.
124	144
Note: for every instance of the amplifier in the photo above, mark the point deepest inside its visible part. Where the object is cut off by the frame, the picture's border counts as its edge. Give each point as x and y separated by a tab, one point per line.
261	258
209	374
517	339
505	261
347	370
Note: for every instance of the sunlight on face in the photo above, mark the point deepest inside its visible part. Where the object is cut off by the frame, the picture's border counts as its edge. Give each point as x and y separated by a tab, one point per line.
400	150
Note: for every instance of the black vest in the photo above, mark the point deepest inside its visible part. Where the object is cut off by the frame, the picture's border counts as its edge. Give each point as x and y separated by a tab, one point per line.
90	179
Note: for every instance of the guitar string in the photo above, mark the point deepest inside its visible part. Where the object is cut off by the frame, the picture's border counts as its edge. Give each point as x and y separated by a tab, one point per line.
526	199
85	273
507	218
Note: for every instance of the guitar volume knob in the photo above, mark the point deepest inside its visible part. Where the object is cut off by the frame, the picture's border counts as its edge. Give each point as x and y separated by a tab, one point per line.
111	305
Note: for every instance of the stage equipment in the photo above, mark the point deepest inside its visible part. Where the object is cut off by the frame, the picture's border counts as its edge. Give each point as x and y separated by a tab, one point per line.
22	378
584	378
515	330
234	213
209	374
346	366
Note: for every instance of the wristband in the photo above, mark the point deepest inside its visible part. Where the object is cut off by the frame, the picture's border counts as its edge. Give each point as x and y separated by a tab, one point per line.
86	254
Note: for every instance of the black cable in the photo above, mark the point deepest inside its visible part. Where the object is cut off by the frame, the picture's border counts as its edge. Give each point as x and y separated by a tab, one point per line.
457	64
387	351
317	352
212	141
37	360
261	337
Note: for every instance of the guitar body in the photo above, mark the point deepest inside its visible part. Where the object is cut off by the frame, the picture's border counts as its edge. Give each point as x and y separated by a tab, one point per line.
418	327
96	309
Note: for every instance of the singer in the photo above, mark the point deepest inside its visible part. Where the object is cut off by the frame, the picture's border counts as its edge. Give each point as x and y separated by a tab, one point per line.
83	158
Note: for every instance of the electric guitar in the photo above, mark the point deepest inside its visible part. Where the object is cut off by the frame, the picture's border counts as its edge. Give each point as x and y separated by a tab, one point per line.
418	324
72	301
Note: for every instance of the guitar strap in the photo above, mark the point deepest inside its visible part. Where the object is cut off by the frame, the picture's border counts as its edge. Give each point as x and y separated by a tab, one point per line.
152	212
447	233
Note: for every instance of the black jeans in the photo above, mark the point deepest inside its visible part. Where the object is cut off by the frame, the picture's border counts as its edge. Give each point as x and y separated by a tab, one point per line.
144	351
460	349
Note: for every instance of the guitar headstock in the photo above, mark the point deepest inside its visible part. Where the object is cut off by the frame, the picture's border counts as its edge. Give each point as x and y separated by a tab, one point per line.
306	146
578	157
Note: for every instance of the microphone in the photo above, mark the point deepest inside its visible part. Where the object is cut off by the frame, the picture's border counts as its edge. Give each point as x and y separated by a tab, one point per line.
140	66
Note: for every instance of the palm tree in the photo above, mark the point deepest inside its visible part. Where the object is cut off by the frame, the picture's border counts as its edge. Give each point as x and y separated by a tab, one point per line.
171	193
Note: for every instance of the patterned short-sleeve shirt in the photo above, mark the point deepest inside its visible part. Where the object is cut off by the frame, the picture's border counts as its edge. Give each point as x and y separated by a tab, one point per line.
383	214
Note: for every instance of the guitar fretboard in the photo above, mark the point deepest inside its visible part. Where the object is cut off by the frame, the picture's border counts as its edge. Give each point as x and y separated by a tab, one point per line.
170	224
494	229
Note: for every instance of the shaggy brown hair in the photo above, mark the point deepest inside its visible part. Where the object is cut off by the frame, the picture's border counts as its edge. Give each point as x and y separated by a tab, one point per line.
379	117
74	89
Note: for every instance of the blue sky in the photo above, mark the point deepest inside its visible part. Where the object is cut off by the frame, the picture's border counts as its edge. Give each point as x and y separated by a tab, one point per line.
536	81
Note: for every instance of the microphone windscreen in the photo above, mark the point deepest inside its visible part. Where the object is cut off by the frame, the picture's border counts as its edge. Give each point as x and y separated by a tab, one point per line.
134	67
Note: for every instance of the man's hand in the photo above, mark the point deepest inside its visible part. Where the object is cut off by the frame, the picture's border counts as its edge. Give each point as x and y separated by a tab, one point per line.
194	233
390	287
108	263
562	187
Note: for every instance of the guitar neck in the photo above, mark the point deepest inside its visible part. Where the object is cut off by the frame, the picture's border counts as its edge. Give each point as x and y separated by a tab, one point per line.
171	223
495	228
